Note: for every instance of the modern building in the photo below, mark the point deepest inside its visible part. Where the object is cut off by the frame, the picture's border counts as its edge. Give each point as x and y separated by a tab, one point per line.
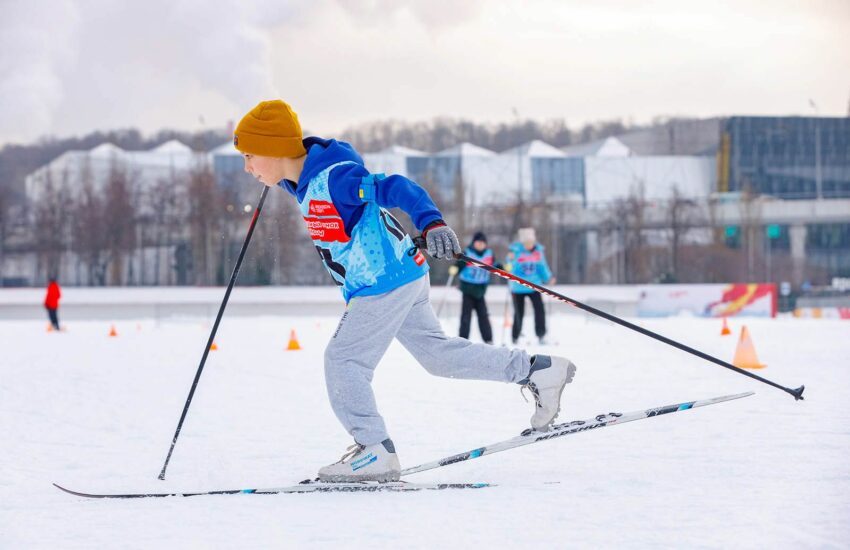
143	169
791	158
776	188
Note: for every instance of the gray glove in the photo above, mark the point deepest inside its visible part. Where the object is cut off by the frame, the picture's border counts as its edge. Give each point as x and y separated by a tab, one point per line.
441	241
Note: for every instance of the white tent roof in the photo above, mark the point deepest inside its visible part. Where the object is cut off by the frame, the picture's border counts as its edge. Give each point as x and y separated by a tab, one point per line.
225	148
466	149
106	150
536	149
608	147
172	147
401	151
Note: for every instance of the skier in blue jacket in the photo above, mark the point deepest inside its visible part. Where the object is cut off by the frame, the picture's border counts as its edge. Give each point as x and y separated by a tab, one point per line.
383	279
473	285
526	259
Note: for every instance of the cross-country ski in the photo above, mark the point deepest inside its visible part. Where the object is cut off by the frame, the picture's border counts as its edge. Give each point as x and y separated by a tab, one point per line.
301	488
529	436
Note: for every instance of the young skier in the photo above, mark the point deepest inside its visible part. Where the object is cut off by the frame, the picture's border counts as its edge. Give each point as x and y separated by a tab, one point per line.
473	286
51	302
383	279
527	259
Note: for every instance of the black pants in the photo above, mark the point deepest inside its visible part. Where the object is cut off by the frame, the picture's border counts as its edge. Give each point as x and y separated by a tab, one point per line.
480	307
54	317
519	313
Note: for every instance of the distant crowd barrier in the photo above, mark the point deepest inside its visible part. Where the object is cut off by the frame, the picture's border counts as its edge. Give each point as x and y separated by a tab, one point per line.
159	303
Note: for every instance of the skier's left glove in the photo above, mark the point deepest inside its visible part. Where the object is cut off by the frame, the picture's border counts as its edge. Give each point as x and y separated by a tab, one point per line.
441	241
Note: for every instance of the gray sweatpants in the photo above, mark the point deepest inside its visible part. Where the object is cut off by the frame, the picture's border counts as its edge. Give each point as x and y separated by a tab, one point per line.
365	332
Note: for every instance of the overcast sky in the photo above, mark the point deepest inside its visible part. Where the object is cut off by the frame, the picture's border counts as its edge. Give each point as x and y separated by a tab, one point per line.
68	67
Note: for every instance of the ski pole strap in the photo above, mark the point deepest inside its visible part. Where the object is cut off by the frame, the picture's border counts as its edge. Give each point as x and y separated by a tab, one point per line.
797	392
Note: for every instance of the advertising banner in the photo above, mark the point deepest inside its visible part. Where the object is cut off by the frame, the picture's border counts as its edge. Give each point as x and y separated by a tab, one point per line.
749	299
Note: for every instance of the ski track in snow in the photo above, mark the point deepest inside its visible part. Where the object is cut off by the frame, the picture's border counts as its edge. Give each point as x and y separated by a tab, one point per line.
97	414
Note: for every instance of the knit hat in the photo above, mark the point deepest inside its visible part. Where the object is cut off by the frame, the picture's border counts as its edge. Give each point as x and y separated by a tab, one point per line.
479	236
270	129
527	234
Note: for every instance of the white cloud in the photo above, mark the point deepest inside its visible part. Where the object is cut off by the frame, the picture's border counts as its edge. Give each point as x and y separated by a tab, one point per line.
73	66
79	66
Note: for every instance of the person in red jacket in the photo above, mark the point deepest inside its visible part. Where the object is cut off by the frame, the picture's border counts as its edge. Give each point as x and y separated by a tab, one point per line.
51	302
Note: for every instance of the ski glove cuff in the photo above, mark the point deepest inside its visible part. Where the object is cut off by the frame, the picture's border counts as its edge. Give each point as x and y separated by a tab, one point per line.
441	241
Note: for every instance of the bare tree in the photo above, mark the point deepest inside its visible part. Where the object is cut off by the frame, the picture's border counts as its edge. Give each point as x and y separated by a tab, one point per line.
51	219
119	221
204	208
90	242
750	210
289	239
163	207
5	226
680	213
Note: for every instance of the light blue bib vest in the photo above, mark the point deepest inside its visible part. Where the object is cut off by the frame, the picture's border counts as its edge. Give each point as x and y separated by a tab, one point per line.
476	275
377	257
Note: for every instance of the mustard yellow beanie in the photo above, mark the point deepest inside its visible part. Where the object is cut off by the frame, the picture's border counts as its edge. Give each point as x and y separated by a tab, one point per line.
270	129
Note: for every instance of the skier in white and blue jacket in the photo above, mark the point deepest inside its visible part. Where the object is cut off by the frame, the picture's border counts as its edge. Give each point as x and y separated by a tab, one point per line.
527	259
383	279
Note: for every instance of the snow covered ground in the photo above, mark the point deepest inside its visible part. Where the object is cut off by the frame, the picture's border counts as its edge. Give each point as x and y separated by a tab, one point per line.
96	413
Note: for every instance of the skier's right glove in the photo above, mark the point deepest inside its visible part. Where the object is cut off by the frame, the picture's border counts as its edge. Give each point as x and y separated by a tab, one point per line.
441	241
453	270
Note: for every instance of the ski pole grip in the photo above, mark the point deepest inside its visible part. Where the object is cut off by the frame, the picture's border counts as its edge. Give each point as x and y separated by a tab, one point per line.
420	243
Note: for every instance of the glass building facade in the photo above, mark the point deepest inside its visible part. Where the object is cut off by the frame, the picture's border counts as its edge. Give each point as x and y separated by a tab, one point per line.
440	173
786	157
557	176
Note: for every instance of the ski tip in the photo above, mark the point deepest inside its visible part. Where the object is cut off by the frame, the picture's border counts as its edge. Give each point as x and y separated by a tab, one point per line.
69	491
797	393
733	396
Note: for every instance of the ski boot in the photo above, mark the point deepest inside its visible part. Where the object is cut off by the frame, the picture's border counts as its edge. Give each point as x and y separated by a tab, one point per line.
546	381
377	462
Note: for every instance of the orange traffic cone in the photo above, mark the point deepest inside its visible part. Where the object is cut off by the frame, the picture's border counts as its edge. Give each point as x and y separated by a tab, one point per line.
49	327
293	342
213	347
725	330
112	331
745	353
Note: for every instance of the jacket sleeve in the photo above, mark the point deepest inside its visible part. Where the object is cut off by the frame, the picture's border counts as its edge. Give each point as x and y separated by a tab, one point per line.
543	268
390	192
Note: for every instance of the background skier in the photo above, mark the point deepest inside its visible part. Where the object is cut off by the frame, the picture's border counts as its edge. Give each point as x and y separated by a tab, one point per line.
526	259
473	286
51	302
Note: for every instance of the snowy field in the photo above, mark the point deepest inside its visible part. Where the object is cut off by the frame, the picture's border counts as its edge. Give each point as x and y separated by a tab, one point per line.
97	414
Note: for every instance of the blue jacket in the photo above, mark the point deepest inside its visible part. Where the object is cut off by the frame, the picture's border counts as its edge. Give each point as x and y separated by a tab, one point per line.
344	185
471	274
530	265
365	250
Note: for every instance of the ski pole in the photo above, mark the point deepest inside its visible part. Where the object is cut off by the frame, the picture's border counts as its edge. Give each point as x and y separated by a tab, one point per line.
215	327
797	393
505	314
